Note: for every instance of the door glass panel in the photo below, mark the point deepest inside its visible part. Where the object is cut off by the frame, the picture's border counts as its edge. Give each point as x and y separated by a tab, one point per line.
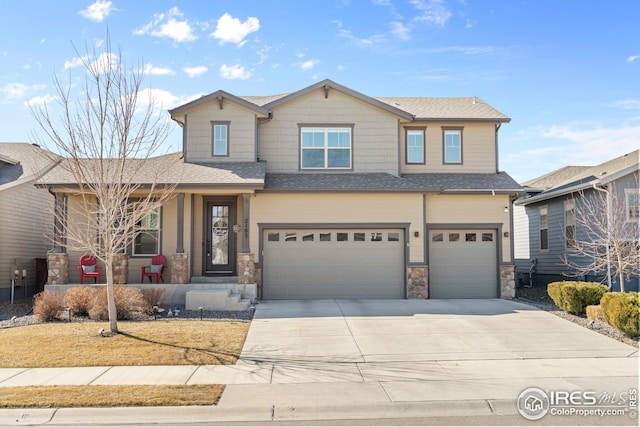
219	235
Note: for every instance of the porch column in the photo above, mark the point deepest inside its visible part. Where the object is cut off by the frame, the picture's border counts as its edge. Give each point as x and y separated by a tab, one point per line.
59	220
246	199
180	221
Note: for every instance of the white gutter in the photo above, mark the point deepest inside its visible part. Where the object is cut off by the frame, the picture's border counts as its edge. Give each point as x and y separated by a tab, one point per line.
608	195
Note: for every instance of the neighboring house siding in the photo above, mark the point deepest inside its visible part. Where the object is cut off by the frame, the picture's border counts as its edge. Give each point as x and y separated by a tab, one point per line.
478	149
486	209
354	208
374	139
241	132
26	224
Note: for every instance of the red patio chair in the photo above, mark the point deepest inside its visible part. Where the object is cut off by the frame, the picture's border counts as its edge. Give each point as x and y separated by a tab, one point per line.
158	263
88	268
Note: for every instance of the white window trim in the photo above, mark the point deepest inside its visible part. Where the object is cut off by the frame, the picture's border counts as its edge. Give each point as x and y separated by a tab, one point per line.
543	210
141	230
326	147
213	139
420	132
458	131
627	196
569	205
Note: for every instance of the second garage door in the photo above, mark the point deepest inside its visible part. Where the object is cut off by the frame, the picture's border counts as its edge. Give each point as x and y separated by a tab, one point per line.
463	264
321	264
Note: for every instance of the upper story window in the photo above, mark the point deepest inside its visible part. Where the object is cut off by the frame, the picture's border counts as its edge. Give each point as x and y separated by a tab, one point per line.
544	228
632	203
415	146
569	224
325	147
452	145
220	138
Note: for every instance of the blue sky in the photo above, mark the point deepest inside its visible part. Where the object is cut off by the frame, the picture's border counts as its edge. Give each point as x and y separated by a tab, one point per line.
567	72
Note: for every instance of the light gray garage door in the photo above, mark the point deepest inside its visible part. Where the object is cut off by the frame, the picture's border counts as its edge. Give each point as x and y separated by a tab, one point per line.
316	264
463	264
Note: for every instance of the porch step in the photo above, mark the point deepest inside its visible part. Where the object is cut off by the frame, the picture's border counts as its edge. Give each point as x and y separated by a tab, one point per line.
214	279
222	299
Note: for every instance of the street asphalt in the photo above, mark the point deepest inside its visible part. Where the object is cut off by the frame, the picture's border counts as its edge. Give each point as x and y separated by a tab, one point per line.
372	360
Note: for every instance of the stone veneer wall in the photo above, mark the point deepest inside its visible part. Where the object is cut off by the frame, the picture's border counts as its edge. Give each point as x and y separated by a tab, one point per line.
246	269
507	281
58	268
120	269
180	268
418	283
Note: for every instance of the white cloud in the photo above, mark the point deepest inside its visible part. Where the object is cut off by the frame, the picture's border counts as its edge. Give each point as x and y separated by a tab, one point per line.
234	72
162	99
149	69
75	62
231	30
400	30
341	67
308	65
40	100
195	71
170	25
106	62
98	10
633	58
432	12
15	91
347	34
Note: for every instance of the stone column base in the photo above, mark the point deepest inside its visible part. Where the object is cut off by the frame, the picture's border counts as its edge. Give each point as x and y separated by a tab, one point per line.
507	281
418	283
120	269
58	268
180	268
246	269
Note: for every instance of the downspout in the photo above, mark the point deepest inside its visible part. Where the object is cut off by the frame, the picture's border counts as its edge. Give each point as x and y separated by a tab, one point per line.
608	195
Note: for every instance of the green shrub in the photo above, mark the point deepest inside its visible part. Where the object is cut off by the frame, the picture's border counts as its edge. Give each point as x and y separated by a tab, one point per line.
128	301
622	311
79	300
574	297
47	306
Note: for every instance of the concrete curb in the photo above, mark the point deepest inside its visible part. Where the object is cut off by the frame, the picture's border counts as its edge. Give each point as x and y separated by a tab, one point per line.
203	414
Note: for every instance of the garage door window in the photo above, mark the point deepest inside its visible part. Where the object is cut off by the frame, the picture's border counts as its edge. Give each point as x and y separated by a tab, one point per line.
358	237
393	237
273	237
376	237
470	237
290	237
487	237
342	237
438	237
325	237
454	237
307	237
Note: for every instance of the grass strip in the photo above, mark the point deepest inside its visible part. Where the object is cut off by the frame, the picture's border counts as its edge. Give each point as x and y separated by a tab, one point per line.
109	396
146	343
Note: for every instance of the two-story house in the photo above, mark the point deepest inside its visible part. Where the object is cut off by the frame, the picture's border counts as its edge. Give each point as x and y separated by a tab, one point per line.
329	193
553	213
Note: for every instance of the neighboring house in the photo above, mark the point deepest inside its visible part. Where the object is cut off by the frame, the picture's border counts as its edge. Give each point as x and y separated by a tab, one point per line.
545	217
330	193
26	220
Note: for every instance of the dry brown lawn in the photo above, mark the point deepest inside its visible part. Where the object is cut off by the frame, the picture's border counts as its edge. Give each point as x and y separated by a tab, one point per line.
188	342
109	396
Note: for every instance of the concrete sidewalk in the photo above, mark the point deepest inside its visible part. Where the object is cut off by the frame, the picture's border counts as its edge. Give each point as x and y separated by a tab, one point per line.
375	359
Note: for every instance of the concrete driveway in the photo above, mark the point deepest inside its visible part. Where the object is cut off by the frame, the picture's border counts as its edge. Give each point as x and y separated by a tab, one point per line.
331	353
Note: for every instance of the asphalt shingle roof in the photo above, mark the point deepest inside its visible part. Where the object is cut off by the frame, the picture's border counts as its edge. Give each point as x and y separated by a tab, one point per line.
23	160
170	168
471	108
500	182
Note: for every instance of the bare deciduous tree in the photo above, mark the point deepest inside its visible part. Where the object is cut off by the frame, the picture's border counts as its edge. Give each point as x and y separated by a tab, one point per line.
606	236
107	136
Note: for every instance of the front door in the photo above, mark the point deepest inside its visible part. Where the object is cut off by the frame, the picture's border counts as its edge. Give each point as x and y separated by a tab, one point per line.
219	237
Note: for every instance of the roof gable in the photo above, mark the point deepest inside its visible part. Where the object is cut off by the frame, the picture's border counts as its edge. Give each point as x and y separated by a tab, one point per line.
328	85
219	96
